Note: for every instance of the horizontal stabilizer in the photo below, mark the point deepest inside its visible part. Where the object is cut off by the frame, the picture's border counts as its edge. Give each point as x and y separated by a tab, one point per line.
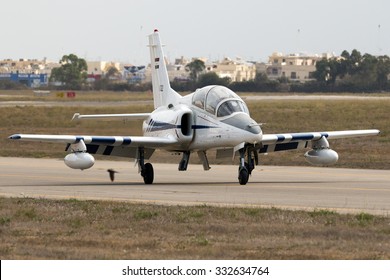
109	117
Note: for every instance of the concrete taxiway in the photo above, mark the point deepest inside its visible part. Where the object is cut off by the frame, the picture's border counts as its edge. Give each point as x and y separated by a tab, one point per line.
336	189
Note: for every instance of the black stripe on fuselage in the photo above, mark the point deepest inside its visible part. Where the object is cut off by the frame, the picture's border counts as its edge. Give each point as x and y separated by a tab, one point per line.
158	126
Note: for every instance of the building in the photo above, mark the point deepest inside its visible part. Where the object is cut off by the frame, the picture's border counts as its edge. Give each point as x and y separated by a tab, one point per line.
30	80
27	66
176	71
237	70
98	69
134	74
295	67
30	72
102	67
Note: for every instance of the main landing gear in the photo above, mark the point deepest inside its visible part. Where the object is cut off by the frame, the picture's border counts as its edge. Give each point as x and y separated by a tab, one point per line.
146	169
248	159
245	168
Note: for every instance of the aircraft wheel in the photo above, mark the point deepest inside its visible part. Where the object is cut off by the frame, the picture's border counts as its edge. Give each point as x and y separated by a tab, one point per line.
148	173
249	168
243	176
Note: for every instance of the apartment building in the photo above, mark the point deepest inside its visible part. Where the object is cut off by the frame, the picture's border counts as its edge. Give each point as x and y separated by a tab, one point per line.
238	70
295	67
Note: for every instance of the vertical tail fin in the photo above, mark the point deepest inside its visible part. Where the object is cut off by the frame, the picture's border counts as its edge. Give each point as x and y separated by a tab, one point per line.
163	94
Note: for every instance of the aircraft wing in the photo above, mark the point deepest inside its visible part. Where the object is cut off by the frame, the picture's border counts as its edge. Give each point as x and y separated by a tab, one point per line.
124	146
292	141
134	141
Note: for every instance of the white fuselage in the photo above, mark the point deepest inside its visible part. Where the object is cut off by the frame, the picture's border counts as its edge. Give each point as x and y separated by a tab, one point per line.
199	130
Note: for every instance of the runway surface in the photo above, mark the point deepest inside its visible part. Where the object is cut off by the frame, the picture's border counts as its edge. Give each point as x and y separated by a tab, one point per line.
342	190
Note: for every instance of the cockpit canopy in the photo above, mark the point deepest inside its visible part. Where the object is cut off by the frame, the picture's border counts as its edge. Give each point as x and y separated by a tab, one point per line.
219	101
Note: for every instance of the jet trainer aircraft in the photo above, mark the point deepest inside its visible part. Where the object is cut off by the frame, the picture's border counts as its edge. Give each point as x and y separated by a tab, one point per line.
213	117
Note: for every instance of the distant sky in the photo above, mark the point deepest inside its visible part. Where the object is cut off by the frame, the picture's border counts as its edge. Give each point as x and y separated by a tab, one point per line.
116	30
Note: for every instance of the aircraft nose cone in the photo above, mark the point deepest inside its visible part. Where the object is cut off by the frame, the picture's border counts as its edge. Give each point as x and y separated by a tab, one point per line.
253	127
244	122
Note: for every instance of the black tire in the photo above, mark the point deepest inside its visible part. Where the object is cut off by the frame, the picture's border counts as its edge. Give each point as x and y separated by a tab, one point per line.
148	173
248	168
243	176
182	165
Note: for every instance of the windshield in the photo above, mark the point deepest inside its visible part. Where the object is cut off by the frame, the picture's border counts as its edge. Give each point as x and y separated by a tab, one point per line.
216	95
212	99
231	106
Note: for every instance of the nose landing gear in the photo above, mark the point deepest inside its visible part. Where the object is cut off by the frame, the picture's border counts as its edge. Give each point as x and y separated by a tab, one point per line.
246	167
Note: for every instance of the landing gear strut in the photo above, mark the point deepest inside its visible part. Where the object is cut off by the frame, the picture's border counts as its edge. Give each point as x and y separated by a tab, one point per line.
146	168
184	161
246	167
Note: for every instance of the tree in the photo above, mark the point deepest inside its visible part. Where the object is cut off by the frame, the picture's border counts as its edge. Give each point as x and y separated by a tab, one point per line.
260	83
383	71
112	72
261	78
211	78
367	73
195	68
327	71
72	73
344	64
355	60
